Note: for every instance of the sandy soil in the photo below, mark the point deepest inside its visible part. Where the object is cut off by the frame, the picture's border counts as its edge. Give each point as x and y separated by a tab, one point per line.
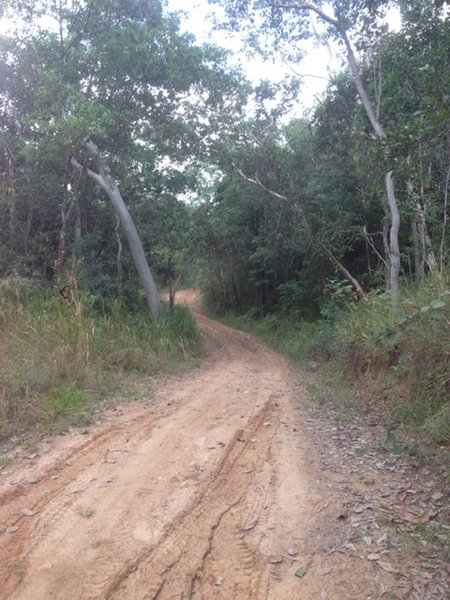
209	488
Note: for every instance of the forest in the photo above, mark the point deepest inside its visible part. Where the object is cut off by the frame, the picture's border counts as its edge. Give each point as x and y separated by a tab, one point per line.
134	162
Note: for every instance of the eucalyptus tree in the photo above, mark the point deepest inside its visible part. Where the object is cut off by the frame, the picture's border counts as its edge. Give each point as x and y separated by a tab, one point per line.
118	78
283	24
412	67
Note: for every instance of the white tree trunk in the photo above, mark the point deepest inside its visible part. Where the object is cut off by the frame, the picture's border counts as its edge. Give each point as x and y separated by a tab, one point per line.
394	252
108	184
394	248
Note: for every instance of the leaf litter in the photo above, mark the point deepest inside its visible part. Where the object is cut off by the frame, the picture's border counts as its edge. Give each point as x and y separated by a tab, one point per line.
390	509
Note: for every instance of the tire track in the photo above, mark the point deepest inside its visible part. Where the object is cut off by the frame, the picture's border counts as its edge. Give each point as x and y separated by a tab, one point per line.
167	561
152	504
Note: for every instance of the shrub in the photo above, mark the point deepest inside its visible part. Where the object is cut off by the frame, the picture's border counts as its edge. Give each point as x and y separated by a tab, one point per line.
406	351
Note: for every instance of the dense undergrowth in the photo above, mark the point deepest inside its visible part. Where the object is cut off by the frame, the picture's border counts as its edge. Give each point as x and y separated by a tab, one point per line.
371	358
57	359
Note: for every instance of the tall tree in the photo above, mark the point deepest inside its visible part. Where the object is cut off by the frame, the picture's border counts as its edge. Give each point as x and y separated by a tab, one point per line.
287	22
107	183
121	75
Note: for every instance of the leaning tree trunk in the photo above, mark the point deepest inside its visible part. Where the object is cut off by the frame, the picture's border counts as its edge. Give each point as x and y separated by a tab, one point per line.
106	181
394	248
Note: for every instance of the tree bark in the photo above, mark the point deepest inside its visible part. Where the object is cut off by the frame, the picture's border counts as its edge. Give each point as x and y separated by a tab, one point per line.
387	257
422	243
10	194
418	262
77	232
394	250
108	184
444	225
66	212
119	258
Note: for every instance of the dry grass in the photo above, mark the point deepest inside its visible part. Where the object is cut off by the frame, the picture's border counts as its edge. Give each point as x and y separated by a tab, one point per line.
58	359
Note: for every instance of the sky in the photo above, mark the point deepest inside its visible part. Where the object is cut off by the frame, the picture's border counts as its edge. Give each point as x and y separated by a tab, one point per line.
315	68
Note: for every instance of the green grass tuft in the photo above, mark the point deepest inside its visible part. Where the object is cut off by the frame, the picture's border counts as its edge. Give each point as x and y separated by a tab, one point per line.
438	425
66	406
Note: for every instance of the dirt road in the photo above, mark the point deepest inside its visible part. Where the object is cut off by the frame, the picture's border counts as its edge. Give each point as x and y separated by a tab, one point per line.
208	488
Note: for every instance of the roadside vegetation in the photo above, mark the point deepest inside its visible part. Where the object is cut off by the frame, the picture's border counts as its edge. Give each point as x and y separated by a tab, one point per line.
134	160
373	359
59	360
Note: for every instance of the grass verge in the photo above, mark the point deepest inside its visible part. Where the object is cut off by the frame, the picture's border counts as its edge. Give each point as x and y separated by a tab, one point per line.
394	364
58	359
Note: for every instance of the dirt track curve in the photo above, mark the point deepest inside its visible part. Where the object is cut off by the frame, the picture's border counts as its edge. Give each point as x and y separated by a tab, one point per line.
200	491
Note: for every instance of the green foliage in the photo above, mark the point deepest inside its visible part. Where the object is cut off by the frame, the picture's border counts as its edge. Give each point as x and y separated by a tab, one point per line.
285	212
122	74
438	425
405	351
409	349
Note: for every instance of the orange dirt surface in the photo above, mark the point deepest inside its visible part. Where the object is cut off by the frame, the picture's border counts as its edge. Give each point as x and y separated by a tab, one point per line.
206	489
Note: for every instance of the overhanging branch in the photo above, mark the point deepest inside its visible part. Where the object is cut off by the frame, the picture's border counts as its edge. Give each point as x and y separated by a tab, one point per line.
256	181
306	6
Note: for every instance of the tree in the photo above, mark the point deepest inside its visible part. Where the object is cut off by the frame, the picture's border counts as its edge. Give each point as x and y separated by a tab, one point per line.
121	75
107	183
288	22
412	71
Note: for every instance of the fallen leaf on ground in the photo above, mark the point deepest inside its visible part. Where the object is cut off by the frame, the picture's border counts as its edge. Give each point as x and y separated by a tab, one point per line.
11	529
320	506
301	572
401	496
386	566
373	556
407	515
250	525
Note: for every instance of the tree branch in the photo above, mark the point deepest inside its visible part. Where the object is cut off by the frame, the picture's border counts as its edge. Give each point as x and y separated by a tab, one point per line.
259	183
306	225
306	6
367	237
95	176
